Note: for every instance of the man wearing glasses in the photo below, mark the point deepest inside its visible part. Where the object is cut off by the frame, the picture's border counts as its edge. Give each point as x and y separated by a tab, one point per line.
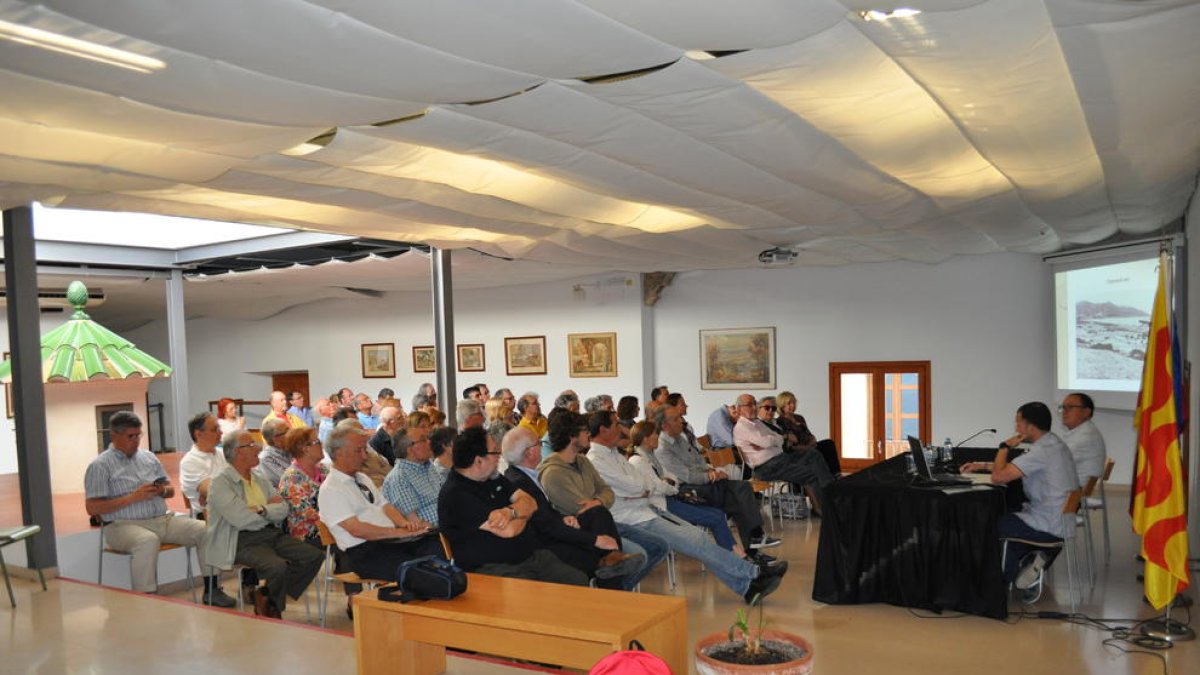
1082	436
367	528
244	517
763	450
127	488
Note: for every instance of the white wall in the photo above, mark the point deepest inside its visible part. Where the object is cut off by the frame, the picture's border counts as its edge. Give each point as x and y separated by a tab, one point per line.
235	358
8	432
71	425
984	323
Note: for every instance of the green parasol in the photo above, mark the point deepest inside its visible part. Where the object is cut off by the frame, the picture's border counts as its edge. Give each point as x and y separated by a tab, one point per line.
82	350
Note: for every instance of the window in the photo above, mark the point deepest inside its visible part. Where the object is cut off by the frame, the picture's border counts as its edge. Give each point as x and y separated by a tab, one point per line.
104	413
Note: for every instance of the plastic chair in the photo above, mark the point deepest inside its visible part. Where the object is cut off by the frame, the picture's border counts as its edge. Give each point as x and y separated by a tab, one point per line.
1067	544
1093	504
187	551
11	535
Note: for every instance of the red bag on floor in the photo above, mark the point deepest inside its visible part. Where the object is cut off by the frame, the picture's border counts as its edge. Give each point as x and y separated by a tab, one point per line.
633	661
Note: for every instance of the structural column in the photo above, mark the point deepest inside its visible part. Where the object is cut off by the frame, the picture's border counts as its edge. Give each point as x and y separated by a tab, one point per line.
29	398
443	332
181	405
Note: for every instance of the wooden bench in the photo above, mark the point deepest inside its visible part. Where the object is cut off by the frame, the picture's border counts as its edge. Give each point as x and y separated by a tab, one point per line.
570	626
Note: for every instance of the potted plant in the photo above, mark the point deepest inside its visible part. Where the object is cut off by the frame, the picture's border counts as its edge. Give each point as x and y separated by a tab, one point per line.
747	649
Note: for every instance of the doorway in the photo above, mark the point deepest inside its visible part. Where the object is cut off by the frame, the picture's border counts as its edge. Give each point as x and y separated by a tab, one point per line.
874	406
289	382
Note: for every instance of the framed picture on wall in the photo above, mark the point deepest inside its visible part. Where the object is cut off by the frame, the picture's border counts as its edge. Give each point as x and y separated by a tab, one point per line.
424	359
592	354
379	359
470	358
525	355
737	358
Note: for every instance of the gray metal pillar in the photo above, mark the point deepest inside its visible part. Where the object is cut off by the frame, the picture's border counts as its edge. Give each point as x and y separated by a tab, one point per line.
649	359
443	332
181	405
29	398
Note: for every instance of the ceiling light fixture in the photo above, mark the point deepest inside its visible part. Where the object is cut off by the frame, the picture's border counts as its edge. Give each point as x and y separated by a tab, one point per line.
880	15
43	39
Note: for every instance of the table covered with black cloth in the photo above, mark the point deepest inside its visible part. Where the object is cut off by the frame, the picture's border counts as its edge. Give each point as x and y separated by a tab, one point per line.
884	539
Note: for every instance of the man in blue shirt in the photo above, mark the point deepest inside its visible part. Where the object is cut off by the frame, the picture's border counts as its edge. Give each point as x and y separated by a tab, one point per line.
300	408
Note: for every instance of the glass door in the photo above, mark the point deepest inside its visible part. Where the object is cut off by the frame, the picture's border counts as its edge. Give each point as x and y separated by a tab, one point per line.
875	406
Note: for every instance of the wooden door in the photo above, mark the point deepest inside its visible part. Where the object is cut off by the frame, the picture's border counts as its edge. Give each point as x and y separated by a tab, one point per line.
874	406
289	382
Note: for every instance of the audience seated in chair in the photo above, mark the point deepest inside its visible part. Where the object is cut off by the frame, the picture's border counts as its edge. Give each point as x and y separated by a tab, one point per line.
365	526
415	482
127	489
244	513
616	564
485	518
301	481
763	449
273	461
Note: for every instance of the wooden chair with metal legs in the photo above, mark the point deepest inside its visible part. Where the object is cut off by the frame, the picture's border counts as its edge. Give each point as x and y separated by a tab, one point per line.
1101	504
767	490
1067	543
11	535
326	578
187	552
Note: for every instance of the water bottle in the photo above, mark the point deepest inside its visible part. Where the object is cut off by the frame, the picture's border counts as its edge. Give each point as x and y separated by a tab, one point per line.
947	451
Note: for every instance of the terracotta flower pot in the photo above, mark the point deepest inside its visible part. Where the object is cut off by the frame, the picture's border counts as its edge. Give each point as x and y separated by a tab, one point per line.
706	665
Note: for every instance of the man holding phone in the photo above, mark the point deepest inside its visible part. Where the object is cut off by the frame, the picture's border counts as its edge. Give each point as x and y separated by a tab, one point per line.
128	488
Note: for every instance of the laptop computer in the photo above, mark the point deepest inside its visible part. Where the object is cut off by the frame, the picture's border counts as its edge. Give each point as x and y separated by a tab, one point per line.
926	472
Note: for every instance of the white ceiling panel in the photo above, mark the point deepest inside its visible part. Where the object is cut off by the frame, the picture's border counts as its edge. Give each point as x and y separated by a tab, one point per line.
616	133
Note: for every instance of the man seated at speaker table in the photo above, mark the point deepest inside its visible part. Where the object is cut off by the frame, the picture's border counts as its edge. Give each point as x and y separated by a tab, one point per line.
485	518
1048	477
244	513
763	450
617	564
127	488
1082	437
364	524
415	482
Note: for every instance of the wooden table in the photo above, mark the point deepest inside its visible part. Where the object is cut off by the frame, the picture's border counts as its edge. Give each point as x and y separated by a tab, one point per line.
570	626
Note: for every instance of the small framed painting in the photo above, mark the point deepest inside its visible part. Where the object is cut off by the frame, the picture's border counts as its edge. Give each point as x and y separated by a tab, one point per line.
379	359
470	358
737	358
525	355
424	359
592	354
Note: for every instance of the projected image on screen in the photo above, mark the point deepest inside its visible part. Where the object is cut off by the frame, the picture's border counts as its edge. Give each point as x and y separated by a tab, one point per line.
1103	318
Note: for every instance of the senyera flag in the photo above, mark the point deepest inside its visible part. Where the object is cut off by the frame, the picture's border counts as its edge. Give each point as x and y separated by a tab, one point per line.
1159	497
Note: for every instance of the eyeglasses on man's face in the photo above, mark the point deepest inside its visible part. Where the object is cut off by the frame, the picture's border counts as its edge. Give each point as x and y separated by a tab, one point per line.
1070	406
767	407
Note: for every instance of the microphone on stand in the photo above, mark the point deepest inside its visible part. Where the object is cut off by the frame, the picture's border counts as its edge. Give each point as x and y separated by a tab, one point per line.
977	433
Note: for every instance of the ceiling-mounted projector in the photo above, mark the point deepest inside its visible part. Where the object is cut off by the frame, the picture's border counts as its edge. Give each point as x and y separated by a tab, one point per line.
777	256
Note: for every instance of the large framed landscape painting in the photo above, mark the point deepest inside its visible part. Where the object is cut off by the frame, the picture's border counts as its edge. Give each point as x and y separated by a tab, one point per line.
737	358
525	355
592	354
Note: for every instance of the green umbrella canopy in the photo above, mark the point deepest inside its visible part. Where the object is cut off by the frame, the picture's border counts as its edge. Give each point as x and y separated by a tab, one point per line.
82	350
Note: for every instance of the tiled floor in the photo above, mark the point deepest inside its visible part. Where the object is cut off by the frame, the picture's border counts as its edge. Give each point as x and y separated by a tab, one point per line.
79	628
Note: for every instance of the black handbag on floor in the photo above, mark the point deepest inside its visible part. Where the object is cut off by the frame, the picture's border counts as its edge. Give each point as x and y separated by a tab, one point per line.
427	578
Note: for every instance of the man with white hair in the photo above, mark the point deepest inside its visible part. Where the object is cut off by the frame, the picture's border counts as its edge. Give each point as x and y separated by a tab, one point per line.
272	461
244	517
469	414
763	450
363	405
375	536
324	411
391	420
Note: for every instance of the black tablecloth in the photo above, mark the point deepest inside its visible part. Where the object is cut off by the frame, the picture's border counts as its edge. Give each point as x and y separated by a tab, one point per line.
884	540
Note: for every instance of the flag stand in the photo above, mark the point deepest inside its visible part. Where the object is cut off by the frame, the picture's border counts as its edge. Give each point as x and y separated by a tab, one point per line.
1168	629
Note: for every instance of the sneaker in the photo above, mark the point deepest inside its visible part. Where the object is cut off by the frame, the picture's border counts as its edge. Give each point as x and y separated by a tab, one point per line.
764	584
764	542
1031	573
1034	593
218	598
765	561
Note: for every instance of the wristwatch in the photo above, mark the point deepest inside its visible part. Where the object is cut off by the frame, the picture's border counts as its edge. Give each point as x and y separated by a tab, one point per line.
1005	446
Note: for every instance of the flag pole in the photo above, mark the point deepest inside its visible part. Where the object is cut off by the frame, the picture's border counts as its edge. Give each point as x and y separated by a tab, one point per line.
1167	628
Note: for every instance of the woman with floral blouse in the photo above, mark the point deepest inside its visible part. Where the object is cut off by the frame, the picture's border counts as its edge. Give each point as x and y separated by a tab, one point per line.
301	482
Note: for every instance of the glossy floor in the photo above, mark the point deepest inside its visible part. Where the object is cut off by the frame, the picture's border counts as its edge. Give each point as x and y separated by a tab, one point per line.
79	628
